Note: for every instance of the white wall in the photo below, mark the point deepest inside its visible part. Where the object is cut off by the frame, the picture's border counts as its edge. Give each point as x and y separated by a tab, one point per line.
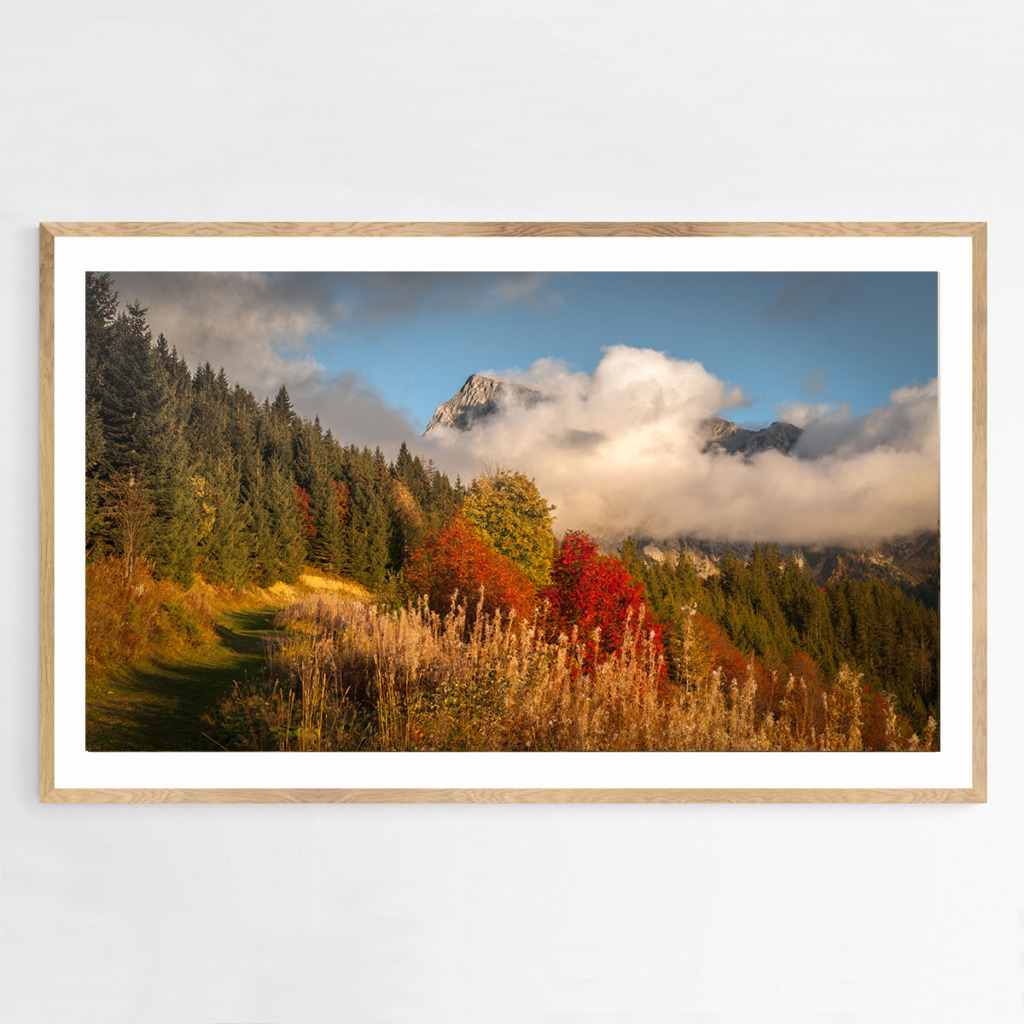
201	110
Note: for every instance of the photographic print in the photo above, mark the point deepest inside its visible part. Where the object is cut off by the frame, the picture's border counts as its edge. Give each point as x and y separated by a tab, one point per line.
582	508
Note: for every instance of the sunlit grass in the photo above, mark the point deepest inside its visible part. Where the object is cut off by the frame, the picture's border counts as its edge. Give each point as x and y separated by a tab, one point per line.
350	676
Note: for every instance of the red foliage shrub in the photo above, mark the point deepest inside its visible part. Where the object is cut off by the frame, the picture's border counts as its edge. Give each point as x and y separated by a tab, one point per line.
341	500
712	648
456	559
305	513
591	591
721	652
803	666
875	733
884	727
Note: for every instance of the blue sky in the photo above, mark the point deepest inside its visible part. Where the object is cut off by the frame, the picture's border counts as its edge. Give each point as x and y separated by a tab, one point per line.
782	337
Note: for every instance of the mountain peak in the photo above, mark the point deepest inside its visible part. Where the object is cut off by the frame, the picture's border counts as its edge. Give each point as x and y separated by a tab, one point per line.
725	436
477	399
482	397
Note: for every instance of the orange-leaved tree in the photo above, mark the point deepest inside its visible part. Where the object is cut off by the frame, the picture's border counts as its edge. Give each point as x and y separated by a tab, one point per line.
591	591
305	513
456	559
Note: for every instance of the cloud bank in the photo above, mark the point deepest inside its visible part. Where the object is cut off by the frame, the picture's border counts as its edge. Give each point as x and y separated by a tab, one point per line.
260	327
619	452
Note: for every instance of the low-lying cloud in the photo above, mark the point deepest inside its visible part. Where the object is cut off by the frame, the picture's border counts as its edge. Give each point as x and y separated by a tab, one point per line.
262	328
619	452
255	325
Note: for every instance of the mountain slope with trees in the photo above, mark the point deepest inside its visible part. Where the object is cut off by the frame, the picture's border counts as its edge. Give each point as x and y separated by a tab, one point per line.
198	476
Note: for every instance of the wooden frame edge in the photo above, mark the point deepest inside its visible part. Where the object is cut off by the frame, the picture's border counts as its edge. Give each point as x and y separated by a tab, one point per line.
516	796
49	231
46	516
432	229
979	412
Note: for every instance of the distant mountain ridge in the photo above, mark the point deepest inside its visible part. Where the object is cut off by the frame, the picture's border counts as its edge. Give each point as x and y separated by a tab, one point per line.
725	436
482	397
910	562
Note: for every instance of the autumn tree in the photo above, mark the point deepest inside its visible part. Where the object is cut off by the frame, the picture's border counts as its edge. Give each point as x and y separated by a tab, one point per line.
508	509
130	516
456	561
595	594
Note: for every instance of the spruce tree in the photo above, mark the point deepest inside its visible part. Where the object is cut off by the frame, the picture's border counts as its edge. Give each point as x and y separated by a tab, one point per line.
100	313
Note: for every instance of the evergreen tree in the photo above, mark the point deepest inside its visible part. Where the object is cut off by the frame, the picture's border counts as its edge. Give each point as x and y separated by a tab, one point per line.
100	313
169	470
126	379
283	405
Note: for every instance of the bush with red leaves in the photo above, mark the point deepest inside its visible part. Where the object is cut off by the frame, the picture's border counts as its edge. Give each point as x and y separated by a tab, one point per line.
305	513
591	591
456	559
718	649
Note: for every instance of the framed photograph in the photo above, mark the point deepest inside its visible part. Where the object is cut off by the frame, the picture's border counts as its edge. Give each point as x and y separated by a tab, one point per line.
512	512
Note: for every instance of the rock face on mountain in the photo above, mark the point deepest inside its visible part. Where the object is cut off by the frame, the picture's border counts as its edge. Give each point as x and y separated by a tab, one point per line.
479	398
725	436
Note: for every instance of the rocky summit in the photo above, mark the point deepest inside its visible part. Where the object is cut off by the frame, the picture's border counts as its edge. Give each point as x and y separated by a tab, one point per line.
477	399
725	436
481	397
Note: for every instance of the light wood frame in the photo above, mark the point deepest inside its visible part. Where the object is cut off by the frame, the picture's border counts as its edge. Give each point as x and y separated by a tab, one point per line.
50	231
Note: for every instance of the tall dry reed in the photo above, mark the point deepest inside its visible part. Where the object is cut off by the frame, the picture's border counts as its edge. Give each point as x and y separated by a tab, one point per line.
350	676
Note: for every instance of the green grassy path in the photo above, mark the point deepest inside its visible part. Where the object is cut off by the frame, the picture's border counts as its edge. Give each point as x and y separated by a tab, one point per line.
160	705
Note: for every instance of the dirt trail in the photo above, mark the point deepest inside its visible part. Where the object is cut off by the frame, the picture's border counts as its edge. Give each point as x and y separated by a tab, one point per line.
160	705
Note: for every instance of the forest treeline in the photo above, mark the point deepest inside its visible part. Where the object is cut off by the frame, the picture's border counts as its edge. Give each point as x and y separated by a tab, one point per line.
200	476
770	612
190	474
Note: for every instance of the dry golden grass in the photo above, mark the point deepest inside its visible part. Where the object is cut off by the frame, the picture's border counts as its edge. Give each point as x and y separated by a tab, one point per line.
146	618
128	621
350	676
313	581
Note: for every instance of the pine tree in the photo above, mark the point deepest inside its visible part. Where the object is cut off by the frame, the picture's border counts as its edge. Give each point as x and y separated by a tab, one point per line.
100	313
169	470
127	379
283	405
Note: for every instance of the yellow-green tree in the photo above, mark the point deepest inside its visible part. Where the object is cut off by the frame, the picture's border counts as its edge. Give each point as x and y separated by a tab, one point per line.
509	510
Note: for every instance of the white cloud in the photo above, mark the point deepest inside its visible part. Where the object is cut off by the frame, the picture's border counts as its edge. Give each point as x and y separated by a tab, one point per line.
619	451
801	413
